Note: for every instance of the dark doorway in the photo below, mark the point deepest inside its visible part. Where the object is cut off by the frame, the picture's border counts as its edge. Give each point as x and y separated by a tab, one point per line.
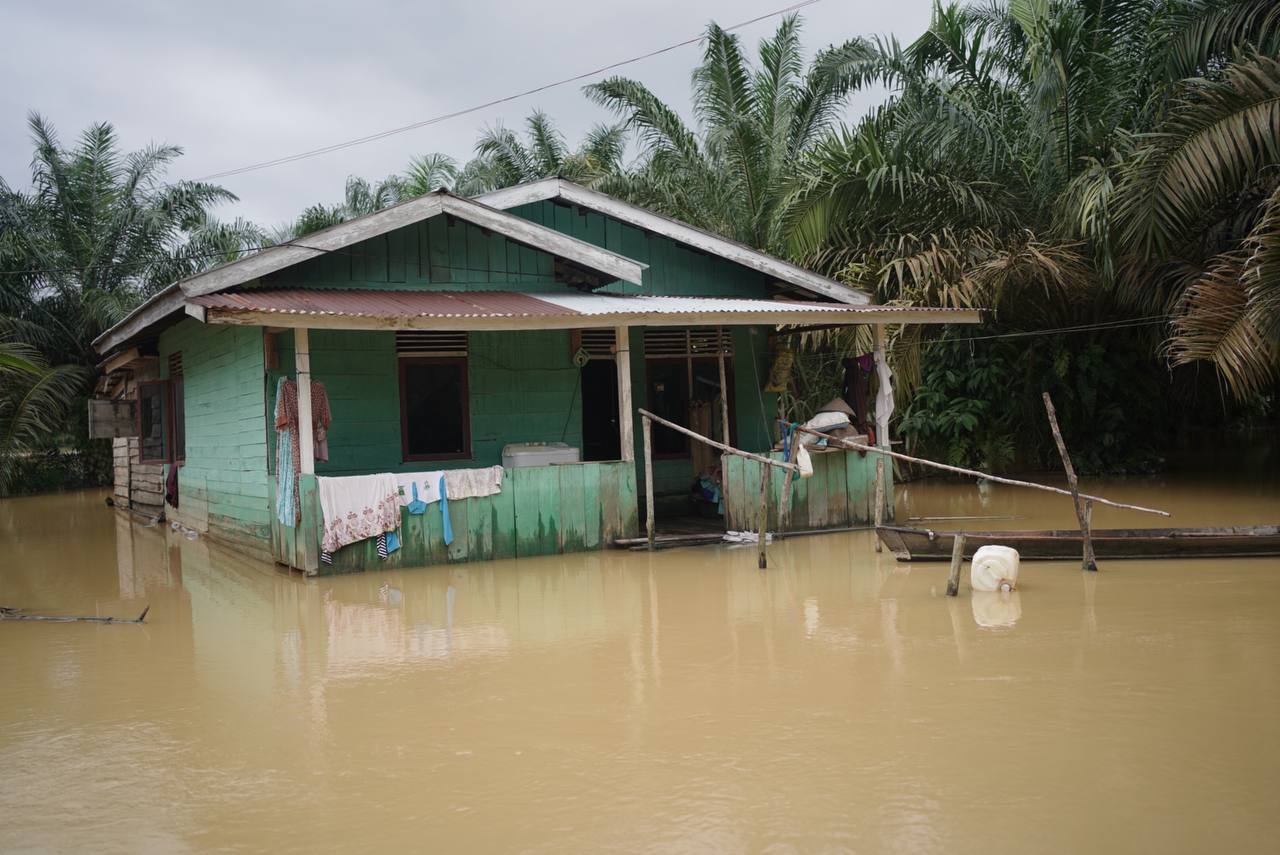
600	411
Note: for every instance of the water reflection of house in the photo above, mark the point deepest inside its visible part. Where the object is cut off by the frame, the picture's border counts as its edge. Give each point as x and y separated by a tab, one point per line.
445	329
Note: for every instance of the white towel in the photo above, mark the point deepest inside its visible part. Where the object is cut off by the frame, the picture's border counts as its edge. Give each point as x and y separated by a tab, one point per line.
428	486
472	483
992	567
357	507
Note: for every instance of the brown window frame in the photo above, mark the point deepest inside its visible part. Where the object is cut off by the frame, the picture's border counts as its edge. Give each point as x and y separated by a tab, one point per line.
177	387
465	394
169	390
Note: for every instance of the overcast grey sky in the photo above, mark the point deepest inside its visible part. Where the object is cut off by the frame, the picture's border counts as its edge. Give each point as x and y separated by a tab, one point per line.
236	82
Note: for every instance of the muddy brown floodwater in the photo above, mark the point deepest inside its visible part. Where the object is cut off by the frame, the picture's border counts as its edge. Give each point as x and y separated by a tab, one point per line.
624	702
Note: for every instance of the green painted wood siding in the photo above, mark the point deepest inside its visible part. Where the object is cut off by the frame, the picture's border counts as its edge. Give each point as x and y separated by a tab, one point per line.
542	510
449	254
523	386
674	269
223	484
442	252
841	492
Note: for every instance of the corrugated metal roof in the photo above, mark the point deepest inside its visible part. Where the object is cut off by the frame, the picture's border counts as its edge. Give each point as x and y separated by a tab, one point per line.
612	304
359	303
476	309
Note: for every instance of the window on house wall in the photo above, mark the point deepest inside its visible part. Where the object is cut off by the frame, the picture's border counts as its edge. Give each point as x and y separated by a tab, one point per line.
435	412
162	422
683	371
152	428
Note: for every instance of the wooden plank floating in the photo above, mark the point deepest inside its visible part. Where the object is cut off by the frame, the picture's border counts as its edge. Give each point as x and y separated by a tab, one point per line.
10	613
922	544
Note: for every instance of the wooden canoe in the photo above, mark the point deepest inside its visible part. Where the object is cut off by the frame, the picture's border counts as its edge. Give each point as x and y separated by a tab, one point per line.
922	544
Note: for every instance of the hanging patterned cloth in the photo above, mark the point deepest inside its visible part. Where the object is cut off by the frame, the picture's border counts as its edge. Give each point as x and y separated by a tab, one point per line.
288	452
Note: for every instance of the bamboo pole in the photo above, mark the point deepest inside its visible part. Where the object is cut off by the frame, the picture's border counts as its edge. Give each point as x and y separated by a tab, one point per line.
759	458
764	514
724	398
724	418
896	455
1087	560
649	522
957	562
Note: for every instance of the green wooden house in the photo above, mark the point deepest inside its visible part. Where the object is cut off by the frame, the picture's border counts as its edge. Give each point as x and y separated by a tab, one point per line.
445	329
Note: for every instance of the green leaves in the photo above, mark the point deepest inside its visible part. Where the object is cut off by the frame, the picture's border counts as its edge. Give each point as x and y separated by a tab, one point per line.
1218	138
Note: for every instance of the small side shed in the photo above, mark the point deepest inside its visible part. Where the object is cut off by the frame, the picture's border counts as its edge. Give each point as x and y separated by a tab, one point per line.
444	329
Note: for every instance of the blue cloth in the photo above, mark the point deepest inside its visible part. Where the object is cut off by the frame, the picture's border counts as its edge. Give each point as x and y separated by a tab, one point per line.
444	509
393	541
417	506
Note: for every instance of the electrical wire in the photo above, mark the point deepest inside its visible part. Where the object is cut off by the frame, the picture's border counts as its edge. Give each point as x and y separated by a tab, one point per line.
351	143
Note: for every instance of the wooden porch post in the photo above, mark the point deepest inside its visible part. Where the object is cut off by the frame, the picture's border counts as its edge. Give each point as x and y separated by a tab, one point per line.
308	532
302	361
626	419
884	409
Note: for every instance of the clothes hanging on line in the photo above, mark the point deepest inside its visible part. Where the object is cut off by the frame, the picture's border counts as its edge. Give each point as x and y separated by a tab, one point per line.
426	485
357	507
286	476
287	417
288	450
444	510
473	483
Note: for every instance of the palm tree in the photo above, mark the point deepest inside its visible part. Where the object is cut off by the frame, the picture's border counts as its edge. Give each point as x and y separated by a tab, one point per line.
1069	162
733	172
33	404
96	233
503	159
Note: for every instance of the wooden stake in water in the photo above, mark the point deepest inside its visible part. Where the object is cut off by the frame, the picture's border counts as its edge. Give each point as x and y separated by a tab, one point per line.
957	562
878	513
764	513
649	522
1083	513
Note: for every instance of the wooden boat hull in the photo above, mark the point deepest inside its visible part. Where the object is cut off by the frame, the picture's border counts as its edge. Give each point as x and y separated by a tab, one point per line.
920	544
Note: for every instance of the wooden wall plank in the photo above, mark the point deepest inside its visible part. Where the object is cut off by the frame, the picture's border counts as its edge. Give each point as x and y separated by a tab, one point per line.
571	521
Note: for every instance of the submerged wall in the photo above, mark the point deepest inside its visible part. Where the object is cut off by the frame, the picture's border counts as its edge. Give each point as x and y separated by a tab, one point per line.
840	493
223	484
542	510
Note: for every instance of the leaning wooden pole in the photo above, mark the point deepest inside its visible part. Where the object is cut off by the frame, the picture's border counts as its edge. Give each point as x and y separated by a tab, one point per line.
1088	561
858	446
650	524
759	458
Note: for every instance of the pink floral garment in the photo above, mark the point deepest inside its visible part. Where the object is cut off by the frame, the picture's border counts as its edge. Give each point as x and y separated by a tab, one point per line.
357	508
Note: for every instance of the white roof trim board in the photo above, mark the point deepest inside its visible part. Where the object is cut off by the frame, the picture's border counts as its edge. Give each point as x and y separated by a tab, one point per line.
559	188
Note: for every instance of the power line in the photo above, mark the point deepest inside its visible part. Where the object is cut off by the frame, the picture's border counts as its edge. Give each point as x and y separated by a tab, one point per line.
351	143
